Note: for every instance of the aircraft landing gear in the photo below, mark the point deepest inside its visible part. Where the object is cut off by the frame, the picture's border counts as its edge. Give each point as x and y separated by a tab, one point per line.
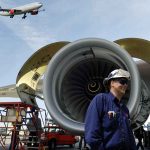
11	16
24	16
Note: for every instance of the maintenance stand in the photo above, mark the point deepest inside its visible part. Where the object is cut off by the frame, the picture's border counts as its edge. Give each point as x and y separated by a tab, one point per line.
14	132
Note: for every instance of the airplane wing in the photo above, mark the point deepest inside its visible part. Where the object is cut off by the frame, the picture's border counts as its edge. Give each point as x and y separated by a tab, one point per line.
9	91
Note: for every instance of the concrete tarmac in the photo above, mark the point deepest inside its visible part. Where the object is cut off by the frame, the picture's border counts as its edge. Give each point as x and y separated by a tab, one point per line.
76	147
68	148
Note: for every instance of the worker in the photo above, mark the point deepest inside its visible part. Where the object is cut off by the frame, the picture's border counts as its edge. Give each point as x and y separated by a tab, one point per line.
13	141
15	133
107	121
82	141
35	130
139	134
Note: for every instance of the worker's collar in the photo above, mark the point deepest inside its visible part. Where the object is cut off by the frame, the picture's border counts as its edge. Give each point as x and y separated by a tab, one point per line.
115	100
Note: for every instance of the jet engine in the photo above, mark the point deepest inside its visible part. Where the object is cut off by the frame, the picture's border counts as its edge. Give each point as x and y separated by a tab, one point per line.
69	75
12	11
34	12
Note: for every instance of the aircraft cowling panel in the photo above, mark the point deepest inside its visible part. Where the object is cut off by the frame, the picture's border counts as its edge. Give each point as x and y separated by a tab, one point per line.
29	76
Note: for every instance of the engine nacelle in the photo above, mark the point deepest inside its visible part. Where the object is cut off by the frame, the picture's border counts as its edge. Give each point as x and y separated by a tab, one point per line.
12	11
34	12
75	74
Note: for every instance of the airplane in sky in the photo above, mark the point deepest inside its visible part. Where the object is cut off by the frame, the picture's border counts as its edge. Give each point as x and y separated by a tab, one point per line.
32	8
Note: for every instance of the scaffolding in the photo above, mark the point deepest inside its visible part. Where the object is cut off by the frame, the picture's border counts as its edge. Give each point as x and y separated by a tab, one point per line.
14	127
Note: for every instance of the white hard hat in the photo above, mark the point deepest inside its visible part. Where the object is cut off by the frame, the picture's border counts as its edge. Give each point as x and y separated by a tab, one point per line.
117	73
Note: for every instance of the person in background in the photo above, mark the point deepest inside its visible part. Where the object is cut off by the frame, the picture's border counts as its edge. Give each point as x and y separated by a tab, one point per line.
13	141
139	134
15	135
35	129
107	121
82	143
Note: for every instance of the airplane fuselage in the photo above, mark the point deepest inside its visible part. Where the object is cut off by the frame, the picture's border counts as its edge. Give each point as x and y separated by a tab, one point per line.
21	9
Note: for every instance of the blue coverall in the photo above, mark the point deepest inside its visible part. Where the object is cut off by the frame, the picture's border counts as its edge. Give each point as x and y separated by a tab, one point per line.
105	132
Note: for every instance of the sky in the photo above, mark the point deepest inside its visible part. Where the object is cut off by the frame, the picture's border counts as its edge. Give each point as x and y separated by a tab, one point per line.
66	20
